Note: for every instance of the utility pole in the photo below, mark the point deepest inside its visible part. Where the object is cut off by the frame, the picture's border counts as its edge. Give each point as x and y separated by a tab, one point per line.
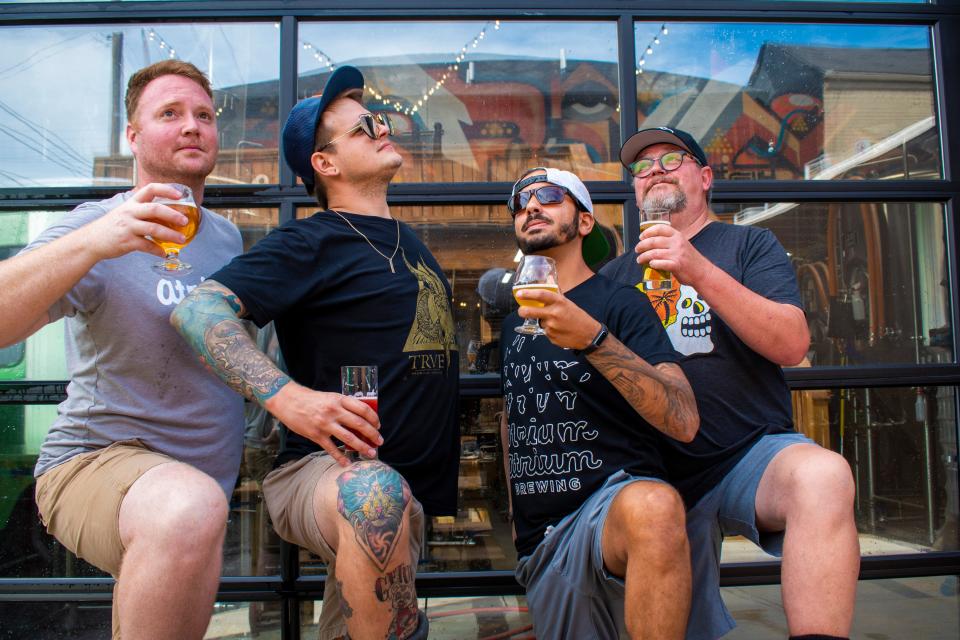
116	116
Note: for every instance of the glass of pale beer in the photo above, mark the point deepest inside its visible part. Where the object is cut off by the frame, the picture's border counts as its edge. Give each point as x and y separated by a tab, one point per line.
171	263
360	382
655	279
534	272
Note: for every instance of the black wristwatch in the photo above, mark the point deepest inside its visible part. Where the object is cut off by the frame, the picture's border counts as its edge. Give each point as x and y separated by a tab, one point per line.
595	343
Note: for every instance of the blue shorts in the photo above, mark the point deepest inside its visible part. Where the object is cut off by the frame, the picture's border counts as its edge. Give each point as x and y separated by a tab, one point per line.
570	593
729	509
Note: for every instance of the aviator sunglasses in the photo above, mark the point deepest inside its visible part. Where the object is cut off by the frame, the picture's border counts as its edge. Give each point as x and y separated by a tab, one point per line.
550	194
368	124
642	167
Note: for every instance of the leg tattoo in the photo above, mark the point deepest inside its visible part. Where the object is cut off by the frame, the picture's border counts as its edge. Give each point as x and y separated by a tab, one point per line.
345	607
372	498
397	588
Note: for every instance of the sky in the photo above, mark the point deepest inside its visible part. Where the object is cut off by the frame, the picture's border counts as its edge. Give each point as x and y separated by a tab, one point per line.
55	82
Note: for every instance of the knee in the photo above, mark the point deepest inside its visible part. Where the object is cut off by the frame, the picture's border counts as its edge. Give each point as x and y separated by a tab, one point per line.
823	483
651	513
192	511
372	493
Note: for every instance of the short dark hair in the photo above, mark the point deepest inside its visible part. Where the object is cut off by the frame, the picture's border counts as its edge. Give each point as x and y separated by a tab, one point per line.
139	80
321	138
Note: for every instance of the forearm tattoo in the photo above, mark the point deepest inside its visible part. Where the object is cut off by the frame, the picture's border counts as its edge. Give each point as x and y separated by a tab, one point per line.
207	319
661	393
372	497
397	589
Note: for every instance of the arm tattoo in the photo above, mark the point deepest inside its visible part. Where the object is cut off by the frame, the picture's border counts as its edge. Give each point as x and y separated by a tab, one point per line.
209	320
397	588
660	394
371	497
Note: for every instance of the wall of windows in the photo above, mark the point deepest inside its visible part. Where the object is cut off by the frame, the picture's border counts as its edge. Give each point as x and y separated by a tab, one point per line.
832	124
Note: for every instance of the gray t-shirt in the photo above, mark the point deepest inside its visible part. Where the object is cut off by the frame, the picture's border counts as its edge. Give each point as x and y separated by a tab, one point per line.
131	374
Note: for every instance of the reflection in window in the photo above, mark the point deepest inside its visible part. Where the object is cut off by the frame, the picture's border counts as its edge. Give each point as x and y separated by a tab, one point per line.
475	246
52	141
481	101
872	276
814	102
902	447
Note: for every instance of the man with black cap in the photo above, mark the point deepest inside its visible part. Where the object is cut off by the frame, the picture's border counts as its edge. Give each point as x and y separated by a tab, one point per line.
350	285
599	533
734	314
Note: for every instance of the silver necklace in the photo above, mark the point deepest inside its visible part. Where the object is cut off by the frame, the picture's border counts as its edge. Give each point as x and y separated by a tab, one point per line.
360	233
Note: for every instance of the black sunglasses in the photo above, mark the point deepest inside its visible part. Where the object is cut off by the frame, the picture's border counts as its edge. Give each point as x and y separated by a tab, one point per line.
671	161
550	194
368	124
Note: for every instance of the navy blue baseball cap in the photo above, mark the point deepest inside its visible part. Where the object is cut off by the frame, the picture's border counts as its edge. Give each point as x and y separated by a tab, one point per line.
300	129
645	137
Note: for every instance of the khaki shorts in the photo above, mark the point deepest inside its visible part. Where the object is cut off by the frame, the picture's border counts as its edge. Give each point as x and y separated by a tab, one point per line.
288	492
79	500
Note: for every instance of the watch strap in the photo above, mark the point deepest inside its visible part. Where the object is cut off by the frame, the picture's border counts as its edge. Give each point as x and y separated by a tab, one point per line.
595	343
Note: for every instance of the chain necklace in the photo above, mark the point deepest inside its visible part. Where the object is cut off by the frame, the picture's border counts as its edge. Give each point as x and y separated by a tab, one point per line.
361	234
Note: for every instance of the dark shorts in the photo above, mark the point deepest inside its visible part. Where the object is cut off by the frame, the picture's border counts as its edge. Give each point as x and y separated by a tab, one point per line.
729	509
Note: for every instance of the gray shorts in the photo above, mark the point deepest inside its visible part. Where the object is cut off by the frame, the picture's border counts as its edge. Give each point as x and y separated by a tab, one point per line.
570	593
729	509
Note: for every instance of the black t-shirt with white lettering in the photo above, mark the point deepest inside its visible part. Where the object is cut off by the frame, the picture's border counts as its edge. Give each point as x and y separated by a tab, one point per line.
334	302
568	427
741	395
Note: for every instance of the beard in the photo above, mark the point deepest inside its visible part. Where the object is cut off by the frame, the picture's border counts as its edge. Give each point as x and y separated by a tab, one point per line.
565	233
674	200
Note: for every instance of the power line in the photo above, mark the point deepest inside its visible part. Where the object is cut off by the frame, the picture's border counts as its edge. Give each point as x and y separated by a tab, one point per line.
44	132
31	144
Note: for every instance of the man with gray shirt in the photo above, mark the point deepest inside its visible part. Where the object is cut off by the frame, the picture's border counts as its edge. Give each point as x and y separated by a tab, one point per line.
134	474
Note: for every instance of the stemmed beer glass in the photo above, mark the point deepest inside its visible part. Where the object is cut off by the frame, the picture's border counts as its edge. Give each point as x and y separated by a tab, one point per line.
534	272
171	263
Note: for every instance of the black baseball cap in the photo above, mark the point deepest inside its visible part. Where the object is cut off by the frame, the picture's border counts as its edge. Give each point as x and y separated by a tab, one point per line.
655	135
300	129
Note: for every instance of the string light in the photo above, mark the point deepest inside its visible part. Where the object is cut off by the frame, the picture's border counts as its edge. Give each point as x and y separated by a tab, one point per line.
165	46
319	55
460	55
648	51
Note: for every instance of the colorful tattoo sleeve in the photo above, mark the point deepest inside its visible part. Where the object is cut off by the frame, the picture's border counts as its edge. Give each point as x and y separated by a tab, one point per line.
209	320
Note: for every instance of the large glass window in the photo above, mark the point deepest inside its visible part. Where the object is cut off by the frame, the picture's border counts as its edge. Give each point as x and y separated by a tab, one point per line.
481	101
873	277
65	128
786	102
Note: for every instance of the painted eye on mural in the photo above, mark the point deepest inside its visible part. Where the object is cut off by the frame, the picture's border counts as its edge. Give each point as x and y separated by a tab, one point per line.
589	101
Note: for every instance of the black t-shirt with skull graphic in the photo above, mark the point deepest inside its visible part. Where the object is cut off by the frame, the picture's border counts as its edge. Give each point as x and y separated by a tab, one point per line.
334	301
740	394
568	426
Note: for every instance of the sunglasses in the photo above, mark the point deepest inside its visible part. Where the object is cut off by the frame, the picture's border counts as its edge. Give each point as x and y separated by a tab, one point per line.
367	123
642	167
550	194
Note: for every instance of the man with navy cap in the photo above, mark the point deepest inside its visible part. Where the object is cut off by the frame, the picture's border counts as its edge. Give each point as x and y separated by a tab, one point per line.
734	314
599	533
350	285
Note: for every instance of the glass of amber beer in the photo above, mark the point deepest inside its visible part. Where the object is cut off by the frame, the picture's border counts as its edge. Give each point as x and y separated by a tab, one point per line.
360	382
171	263
655	279
534	272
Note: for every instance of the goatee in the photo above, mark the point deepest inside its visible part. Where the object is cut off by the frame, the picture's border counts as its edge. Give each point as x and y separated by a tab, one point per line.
674	200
